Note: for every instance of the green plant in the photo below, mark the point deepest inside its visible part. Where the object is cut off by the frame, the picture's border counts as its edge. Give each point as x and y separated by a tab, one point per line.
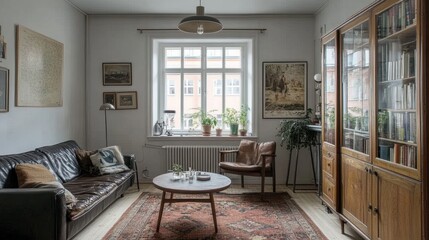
231	116
294	133
204	118
243	116
177	168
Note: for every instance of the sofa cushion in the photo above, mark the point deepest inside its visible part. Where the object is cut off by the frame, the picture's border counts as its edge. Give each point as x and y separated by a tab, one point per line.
63	159
8	177
89	190
31	173
109	160
85	163
70	198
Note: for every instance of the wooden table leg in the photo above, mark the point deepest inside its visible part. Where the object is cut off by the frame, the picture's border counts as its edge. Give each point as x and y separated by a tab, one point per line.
161	209
213	211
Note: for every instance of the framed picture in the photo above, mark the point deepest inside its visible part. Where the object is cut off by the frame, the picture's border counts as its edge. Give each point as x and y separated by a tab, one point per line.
117	74
38	85
126	100
284	89
4	89
109	97
2	48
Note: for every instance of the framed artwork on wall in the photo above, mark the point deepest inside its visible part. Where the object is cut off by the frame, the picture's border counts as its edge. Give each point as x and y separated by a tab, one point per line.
117	74
4	89
2	47
109	97
284	89
39	69
126	100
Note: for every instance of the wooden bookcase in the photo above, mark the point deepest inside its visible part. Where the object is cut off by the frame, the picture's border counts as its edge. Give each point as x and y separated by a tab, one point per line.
380	137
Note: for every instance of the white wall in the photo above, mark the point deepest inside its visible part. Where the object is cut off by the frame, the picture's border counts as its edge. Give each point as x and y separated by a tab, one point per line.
25	128
115	39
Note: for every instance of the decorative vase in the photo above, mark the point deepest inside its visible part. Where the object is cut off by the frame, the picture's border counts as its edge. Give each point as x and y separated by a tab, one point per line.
206	130
234	129
218	132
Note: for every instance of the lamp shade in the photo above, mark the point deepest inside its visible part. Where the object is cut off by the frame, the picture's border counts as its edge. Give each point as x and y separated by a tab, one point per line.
199	23
107	106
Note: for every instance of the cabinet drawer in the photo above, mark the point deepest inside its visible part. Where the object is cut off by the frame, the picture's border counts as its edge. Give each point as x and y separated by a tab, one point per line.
329	190
328	163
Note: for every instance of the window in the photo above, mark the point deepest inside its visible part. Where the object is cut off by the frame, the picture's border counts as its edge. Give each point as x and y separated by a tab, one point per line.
210	75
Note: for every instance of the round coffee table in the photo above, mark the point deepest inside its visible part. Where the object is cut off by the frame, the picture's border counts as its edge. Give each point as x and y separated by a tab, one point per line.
166	183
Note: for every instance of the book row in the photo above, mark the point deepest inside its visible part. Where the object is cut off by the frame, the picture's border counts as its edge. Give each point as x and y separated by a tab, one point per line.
399	154
398	96
396	18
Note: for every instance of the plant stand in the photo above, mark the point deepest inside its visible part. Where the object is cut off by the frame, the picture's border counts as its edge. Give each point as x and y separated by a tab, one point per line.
296	167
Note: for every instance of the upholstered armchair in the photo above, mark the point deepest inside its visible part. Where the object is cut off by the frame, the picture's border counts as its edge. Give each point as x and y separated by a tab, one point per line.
251	159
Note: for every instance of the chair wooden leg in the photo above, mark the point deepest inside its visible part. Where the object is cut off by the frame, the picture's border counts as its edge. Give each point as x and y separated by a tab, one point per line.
262	187
242	181
288	167
274	182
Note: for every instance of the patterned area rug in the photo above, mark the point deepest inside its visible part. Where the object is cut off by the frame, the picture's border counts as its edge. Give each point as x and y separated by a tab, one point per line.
239	216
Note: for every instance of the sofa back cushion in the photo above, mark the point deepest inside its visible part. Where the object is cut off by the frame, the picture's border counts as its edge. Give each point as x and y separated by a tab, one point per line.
62	157
8	162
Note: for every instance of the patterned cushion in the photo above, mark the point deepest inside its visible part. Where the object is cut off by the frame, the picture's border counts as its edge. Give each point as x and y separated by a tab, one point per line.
109	160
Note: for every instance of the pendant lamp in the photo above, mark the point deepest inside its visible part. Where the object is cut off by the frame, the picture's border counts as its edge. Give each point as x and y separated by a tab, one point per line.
199	23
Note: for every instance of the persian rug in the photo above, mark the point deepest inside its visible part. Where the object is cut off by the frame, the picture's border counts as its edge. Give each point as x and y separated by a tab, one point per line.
239	216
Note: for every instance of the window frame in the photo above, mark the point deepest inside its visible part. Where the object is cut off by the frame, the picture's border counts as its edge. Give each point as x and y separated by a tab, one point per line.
247	70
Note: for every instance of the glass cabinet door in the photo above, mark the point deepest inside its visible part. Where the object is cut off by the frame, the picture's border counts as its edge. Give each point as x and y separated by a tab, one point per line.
356	87
396	74
329	69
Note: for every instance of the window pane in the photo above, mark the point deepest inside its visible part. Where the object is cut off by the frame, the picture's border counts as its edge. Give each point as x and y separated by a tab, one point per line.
172	101
192	57
214	57
233	57
173	57
214	95
232	84
191	101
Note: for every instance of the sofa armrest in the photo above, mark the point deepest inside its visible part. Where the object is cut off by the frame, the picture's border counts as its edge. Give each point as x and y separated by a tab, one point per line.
33	213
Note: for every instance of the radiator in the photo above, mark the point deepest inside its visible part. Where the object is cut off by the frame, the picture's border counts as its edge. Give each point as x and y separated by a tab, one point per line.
200	158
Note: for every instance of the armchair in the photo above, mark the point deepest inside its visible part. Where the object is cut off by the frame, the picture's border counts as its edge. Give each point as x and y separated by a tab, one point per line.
252	159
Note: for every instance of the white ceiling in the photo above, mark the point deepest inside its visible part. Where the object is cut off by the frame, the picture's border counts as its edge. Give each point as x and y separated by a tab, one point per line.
237	7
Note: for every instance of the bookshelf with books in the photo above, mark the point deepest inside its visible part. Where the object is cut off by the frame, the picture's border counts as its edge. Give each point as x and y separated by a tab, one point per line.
382	135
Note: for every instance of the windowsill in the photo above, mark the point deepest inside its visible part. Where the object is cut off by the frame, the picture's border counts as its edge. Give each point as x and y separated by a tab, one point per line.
199	138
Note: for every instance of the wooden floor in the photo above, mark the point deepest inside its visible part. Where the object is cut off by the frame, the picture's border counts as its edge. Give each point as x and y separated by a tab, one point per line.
307	200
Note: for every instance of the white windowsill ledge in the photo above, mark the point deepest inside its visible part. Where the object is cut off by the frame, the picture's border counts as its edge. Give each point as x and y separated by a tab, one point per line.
199	138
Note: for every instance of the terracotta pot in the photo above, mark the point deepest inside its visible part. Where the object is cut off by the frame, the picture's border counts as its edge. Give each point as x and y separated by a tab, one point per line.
206	130
218	132
243	132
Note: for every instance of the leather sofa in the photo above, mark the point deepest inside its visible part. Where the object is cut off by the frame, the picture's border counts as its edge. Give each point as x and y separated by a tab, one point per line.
29	213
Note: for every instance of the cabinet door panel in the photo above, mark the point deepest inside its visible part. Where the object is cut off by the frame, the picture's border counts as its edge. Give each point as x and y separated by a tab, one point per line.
397	212
329	192
356	192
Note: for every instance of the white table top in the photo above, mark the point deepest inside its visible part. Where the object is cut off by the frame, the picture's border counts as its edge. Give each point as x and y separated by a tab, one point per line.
216	183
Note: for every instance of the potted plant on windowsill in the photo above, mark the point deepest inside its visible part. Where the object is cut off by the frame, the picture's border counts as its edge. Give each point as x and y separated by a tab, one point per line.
243	120
231	116
206	120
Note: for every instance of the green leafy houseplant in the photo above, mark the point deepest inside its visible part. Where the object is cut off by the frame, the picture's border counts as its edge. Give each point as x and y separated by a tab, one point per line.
206	120
294	133
243	119
232	117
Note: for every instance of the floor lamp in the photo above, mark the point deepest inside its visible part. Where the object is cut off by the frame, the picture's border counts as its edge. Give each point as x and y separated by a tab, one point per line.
105	107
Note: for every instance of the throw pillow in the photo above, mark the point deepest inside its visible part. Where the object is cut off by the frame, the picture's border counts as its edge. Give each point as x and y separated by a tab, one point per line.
83	157
70	198
27	172
109	160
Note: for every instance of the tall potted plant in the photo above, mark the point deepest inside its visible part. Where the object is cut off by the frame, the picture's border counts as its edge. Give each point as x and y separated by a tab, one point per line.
243	120
231	116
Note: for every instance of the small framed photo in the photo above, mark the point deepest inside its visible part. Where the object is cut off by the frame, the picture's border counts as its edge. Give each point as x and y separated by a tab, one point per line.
2	47
4	89
117	74
284	89
109	97
126	100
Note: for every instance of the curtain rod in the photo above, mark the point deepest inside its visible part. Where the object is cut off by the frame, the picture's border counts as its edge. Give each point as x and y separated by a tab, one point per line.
261	30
